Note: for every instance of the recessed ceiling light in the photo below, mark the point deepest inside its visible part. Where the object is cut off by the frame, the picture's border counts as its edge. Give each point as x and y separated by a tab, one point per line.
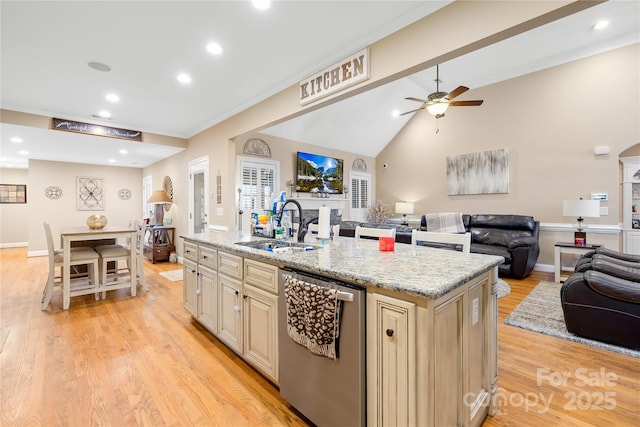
112	160
261	4
214	48
104	114
123	151
395	114
23	152
16	140
601	25
112	97
99	66
184	78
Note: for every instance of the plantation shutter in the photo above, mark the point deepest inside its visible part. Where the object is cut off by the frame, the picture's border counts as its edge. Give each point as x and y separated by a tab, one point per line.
258	187
360	194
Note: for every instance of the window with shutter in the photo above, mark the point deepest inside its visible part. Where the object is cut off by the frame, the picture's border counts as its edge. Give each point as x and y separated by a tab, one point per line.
258	180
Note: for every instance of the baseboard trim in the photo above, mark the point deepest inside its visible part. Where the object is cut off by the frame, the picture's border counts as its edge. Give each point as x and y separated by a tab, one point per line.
14	245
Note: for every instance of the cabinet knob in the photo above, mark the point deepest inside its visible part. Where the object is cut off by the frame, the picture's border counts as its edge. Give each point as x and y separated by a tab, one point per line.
245	296
389	332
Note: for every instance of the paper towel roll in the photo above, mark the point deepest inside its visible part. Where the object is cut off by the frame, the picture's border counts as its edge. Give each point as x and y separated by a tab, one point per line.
324	223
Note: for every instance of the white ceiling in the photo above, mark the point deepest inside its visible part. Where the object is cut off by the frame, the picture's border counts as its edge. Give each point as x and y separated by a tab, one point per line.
46	47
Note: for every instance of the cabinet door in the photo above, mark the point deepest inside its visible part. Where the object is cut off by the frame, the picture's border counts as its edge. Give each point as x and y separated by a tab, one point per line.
208	298
190	287
261	330
230	312
391	361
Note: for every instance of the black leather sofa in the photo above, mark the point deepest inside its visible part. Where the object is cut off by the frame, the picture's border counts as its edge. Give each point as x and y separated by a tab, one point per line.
513	237
601	299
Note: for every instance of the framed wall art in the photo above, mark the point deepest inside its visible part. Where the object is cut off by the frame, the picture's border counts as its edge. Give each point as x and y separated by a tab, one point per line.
485	172
90	195
13	193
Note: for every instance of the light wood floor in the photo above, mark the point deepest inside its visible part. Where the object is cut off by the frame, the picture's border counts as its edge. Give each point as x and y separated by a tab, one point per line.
143	361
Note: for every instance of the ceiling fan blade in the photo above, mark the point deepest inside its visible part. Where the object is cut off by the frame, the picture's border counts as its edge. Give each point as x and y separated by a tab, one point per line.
416	99
457	91
412	111
466	103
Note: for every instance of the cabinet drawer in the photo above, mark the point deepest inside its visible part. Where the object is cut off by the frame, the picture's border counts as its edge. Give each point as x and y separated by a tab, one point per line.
208	257
231	265
262	275
190	251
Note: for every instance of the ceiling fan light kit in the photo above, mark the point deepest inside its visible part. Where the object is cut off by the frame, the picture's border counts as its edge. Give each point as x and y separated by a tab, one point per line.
438	102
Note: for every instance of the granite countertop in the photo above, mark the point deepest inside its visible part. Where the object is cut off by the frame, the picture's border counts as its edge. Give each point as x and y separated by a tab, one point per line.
415	270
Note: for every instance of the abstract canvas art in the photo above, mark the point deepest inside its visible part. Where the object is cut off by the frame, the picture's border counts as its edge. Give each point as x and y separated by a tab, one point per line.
485	172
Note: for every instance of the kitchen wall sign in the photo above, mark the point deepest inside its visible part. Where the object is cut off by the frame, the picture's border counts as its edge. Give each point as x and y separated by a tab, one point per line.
98	130
346	73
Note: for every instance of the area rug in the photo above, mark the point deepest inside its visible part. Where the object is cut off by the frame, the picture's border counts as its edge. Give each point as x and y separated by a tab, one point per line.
541	312
173	275
503	288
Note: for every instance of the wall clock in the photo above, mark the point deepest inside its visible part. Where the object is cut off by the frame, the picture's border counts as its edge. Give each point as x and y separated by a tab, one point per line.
53	192
90	194
124	194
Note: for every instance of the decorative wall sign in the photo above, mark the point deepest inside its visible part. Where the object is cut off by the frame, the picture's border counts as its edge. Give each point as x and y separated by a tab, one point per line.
90	194
53	192
257	147
485	172
348	72
13	193
219	188
91	129
124	194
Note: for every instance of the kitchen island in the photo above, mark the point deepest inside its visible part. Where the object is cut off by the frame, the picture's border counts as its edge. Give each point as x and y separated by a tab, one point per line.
431	318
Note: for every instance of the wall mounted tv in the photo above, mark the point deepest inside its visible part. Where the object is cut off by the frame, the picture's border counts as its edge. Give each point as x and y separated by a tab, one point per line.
319	174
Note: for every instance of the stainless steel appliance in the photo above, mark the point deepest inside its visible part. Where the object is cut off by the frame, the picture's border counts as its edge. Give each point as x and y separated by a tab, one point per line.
329	392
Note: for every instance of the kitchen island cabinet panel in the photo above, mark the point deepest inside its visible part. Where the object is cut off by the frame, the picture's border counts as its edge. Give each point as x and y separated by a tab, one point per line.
261	330
230	312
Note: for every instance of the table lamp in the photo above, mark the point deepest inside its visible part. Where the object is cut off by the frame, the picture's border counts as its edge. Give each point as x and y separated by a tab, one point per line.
159	198
581	208
404	208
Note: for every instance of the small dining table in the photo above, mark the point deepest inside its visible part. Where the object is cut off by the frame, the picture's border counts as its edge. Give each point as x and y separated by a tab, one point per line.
84	233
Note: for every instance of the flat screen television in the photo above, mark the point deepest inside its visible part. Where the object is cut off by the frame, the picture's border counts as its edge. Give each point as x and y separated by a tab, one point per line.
319	174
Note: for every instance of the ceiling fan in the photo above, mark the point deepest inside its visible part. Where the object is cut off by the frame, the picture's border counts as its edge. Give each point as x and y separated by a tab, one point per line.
438	102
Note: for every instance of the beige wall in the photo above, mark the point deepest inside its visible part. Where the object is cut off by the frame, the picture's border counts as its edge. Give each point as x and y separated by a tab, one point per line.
14	230
550	122
63	212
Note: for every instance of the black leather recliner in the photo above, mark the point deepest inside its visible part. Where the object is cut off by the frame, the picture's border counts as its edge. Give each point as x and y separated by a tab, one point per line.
601	299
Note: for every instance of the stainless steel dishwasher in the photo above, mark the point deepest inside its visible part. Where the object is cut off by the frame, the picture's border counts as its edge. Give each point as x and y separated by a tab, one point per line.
329	392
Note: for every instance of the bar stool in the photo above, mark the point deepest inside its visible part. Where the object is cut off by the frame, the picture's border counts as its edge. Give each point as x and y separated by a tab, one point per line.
81	284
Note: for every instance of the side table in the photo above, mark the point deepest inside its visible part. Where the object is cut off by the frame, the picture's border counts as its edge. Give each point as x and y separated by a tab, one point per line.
158	243
569	248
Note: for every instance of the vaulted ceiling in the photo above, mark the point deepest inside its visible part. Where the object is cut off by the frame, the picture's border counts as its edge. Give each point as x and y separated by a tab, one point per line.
47	46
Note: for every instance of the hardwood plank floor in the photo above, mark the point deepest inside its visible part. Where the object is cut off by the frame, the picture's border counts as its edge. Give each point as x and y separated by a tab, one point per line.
143	361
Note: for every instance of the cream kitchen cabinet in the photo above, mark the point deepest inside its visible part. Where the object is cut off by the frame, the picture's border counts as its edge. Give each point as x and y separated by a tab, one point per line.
434	352
200	293
391	341
190	286
230	300
261	316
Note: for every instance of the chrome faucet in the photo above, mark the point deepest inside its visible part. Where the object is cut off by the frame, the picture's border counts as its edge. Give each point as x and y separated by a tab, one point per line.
302	228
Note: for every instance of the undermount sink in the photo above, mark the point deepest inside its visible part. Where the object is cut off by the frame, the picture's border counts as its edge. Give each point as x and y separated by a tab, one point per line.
277	246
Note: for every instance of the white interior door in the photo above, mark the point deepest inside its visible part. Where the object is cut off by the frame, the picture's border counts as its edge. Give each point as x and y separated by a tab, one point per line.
198	194
360	195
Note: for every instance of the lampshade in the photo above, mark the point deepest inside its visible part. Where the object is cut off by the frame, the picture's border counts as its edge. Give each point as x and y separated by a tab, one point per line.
437	108
404	208
581	208
159	196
